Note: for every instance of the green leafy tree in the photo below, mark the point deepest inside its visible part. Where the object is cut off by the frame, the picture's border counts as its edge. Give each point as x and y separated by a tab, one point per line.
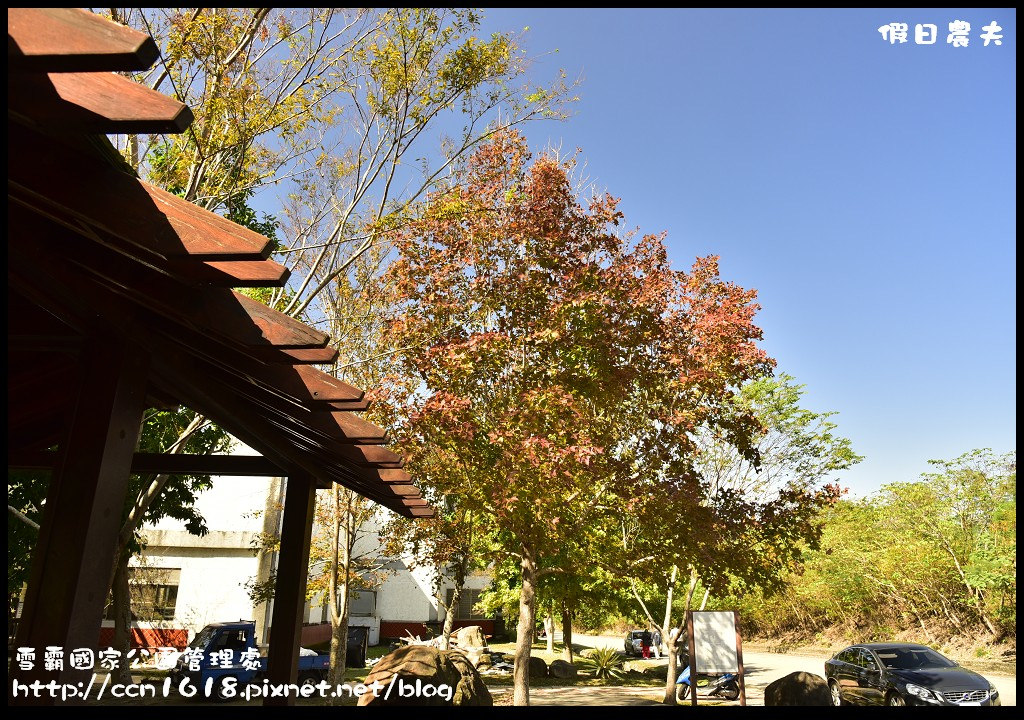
955	509
26	494
751	516
936	556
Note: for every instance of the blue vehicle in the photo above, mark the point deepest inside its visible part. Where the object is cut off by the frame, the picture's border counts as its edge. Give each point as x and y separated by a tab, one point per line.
725	686
227	652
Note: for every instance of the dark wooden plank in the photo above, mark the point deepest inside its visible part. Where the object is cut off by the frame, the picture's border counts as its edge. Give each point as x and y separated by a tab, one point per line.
183	464
39	434
410	491
210	236
283	331
73	40
400	477
313	356
231	274
352	465
226	316
102	103
78	534
105	204
347	406
290	589
81	301
197	316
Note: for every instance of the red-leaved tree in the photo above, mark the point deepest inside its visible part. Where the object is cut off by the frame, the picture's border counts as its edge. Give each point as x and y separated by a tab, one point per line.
554	366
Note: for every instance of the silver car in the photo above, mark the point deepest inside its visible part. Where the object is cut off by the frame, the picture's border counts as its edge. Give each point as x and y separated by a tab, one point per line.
632	644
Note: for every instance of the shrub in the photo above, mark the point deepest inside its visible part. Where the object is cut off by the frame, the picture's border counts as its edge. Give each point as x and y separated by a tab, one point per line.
602	662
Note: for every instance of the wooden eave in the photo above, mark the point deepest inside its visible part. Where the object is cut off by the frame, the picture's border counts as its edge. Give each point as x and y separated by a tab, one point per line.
96	252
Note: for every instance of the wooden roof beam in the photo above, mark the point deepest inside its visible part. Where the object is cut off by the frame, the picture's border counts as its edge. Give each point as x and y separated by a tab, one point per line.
183	464
105	203
74	40
237	318
102	103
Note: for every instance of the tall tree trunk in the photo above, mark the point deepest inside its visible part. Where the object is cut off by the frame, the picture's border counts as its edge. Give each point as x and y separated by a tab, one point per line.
524	631
566	632
673	642
122	604
453	606
549	632
666	623
337	594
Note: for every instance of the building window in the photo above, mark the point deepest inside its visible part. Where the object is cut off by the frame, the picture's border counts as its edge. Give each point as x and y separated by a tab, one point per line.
361	603
467	604
154	594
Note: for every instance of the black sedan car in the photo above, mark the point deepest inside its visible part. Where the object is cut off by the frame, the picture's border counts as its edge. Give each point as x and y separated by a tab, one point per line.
903	674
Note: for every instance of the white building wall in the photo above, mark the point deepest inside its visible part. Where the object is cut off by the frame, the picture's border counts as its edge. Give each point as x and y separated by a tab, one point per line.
216	567
233	504
406	595
213	576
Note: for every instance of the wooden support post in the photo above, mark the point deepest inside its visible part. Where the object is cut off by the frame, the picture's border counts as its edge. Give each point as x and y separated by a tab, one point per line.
693	657
73	559
290	594
739	658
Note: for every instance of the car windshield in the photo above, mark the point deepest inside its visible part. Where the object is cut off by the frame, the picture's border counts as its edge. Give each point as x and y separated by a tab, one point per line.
912	658
203	638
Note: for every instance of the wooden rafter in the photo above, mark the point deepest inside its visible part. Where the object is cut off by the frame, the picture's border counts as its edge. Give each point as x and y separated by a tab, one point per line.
73	40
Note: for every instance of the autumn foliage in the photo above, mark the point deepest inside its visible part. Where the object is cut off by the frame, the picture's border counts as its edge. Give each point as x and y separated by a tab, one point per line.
555	368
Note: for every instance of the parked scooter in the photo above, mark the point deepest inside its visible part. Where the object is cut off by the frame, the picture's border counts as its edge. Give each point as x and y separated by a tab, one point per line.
725	686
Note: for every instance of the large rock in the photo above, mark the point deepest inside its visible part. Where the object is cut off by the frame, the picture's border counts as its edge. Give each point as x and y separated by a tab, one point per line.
538	668
470	637
562	669
798	688
472	642
426	676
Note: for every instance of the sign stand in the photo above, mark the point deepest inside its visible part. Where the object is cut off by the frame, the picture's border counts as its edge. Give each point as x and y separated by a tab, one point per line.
715	636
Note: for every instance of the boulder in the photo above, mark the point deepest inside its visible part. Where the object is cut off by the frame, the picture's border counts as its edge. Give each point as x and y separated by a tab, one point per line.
472	642
798	688
538	668
475	655
470	637
426	676
562	669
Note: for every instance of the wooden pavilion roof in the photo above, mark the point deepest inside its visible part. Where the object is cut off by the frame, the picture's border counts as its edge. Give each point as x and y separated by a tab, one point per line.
96	253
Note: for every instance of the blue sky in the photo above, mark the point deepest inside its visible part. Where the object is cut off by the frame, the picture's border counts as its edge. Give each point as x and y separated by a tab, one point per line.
867	190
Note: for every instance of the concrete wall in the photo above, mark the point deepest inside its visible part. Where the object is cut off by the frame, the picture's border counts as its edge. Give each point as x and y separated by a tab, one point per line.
215	568
406	595
212	585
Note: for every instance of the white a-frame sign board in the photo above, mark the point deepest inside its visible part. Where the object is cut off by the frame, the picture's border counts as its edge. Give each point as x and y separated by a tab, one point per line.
715	647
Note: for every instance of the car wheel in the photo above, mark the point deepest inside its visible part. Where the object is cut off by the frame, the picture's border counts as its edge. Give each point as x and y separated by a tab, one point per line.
308	678
833	688
682	691
895	700
220	689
